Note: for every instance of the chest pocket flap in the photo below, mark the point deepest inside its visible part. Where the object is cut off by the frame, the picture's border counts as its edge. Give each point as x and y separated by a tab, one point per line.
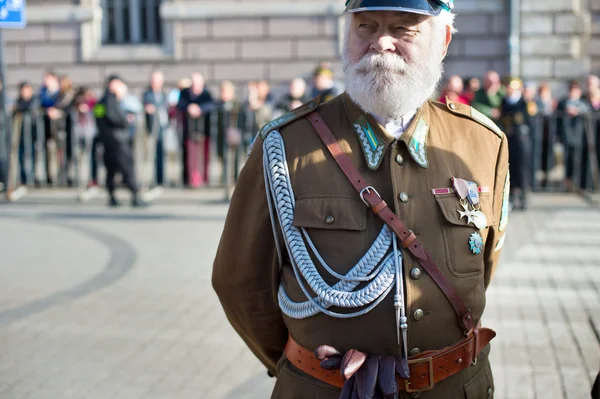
330	213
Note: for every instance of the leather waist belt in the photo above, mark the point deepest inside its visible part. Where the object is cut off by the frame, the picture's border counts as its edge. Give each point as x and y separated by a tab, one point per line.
426	369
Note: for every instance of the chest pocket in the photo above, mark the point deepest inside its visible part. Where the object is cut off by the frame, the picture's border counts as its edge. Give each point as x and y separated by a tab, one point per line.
337	226
461	240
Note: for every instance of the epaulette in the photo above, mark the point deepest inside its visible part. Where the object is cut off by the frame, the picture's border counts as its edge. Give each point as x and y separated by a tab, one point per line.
289	117
472	113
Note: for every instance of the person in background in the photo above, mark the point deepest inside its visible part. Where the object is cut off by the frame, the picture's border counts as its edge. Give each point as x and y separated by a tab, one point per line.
49	92
26	111
593	93
113	120
324	85
229	136
513	116
593	100
472	85
295	97
84	129
157	120
195	104
454	91
571	125
489	98
546	104
64	126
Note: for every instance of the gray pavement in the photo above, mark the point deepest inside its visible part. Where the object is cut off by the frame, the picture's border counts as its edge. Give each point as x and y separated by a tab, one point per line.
105	303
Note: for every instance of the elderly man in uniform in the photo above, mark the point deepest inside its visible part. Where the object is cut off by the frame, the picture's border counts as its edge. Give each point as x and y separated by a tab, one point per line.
364	231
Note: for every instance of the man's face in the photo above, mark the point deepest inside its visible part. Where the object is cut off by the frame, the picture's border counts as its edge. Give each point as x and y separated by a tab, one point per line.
492	81
593	83
197	83
157	80
297	88
393	60
455	84
27	92
380	32
227	93
51	82
575	93
118	88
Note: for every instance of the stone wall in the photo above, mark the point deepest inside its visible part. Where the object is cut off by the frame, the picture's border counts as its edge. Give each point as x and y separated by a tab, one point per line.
238	41
555	38
594	47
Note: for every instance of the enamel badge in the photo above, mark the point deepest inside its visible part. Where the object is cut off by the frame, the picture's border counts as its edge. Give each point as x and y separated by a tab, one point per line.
476	243
371	144
418	144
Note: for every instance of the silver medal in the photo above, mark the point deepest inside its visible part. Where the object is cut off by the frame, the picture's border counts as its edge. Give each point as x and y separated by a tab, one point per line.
479	219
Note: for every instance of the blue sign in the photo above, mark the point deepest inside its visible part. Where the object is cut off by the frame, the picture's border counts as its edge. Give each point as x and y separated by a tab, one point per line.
12	14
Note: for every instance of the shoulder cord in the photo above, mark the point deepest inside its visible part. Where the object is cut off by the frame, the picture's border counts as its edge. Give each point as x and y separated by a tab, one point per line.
280	196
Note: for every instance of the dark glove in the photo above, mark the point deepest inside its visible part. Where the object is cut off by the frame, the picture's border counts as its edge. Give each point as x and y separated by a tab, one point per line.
366	376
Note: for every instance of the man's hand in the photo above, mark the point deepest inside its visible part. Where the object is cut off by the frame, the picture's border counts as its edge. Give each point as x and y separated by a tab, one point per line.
194	110
83	108
495	113
54	113
572	111
131	118
150	109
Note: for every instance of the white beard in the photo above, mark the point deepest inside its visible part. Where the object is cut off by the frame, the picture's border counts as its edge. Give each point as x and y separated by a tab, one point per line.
385	85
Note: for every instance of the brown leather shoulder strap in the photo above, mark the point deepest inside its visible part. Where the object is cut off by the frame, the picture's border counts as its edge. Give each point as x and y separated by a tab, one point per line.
409	241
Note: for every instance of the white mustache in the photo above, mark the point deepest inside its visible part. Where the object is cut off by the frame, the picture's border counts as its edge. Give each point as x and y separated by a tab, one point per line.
387	61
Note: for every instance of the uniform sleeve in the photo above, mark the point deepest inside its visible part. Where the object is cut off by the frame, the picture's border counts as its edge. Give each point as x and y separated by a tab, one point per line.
496	235
246	268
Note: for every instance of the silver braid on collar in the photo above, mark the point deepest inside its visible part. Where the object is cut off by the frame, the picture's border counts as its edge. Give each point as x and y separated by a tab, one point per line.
379	275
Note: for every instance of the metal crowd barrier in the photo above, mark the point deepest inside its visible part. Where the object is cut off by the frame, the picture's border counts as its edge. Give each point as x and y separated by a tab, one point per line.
565	152
563	149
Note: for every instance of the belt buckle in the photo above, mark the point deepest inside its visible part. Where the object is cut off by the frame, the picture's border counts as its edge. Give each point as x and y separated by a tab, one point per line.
429	361
368	190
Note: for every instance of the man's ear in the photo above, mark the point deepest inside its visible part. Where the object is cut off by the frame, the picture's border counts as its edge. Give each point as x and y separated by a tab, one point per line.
448	39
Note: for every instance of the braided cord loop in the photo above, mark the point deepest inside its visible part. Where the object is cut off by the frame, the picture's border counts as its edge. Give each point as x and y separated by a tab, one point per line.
380	278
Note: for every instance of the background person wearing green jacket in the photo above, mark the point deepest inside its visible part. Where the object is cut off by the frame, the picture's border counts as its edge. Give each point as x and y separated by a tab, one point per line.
488	99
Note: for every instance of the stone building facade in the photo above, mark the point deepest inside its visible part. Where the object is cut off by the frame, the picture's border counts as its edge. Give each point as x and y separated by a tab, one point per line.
276	40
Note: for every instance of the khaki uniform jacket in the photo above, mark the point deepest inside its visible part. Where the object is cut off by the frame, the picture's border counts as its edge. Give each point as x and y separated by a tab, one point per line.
460	143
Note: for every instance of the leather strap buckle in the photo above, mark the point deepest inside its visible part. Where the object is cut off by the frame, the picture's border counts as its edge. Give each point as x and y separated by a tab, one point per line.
429	361
368	190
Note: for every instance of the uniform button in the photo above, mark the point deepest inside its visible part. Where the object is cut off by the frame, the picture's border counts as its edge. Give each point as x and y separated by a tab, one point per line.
403	197
329	219
418	315
312	105
415	273
399	159
414	351
415	395
489	393
452	106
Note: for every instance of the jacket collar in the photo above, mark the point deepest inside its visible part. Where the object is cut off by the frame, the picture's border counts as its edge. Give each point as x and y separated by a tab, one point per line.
374	139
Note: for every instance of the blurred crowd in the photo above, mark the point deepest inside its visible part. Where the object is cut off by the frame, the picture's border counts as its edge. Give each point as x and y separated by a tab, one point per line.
56	127
55	132
552	140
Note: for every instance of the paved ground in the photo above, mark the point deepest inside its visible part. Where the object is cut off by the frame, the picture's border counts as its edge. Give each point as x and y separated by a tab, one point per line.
99	303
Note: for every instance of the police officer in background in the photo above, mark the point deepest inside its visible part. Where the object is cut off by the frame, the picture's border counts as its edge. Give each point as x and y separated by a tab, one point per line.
113	123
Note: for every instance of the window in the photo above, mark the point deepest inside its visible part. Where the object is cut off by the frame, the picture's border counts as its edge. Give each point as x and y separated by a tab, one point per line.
131	22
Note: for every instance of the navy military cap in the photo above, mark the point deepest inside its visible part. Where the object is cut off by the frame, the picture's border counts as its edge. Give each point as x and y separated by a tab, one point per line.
426	7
